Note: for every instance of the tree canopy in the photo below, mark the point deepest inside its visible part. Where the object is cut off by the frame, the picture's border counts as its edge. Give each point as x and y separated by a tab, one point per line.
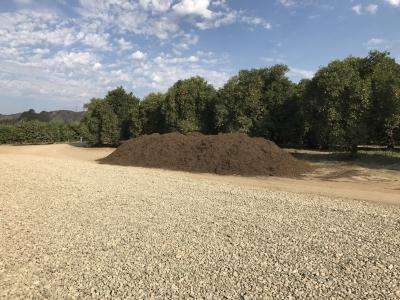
112	119
187	106
347	103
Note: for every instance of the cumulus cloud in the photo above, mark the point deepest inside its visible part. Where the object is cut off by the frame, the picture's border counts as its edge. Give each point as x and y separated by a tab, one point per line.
378	43
375	42
296	74
357	9
138	55
372	8
73	59
287	3
393	2
124	44
360	9
32	64
164	18
157	5
50	56
193	7
186	41
23	1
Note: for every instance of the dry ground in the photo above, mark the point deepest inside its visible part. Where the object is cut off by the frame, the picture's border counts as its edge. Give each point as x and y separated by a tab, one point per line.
72	228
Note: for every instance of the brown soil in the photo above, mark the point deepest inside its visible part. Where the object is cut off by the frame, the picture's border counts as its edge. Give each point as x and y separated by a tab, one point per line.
225	154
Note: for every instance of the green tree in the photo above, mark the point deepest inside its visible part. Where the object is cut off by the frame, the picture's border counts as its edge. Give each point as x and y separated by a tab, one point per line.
291	126
188	106
251	102
32	132
60	131
239	104
340	104
384	118
278	91
151	115
7	134
108	120
90	124
126	108
100	123
37	132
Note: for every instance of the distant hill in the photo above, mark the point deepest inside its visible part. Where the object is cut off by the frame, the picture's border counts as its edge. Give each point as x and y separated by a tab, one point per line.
58	115
65	115
9	117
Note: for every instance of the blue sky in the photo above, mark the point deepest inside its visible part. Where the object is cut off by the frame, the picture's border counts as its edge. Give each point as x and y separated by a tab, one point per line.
57	54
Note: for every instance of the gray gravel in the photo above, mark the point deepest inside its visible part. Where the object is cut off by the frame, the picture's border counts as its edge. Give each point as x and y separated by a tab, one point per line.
71	229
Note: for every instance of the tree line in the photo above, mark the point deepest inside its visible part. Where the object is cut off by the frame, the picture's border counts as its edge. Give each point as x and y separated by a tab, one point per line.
39	132
31	127
347	103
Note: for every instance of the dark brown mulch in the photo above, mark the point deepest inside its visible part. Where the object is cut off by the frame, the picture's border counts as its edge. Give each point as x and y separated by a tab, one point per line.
227	154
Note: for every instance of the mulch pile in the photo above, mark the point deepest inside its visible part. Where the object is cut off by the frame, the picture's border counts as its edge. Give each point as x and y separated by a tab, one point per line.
227	154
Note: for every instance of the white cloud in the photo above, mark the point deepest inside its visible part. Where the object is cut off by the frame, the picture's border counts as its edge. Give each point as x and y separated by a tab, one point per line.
378	43
273	60
357	9
138	55
186	41
375	42
393	2
97	66
255	21
287	3
96	40
124	45
23	1
50	56
167	59
41	51
372	8
157	5
164	18
32	27
193	7
72	59
296	74
157	78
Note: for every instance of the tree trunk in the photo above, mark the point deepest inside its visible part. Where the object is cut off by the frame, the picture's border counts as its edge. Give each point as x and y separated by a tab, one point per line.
390	139
353	152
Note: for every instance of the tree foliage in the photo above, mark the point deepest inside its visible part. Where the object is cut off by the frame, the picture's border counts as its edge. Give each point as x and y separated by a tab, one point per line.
187	106
347	103
112	119
100	124
151	113
251	102
126	108
37	132
341	98
384	118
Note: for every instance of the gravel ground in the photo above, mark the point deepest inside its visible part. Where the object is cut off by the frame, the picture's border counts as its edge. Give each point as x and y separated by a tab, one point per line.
75	229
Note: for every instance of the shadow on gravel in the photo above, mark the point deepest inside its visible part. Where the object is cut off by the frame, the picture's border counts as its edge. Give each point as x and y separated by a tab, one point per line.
367	159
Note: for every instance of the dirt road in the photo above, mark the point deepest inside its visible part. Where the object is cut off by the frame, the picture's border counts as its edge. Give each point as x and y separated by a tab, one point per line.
72	228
